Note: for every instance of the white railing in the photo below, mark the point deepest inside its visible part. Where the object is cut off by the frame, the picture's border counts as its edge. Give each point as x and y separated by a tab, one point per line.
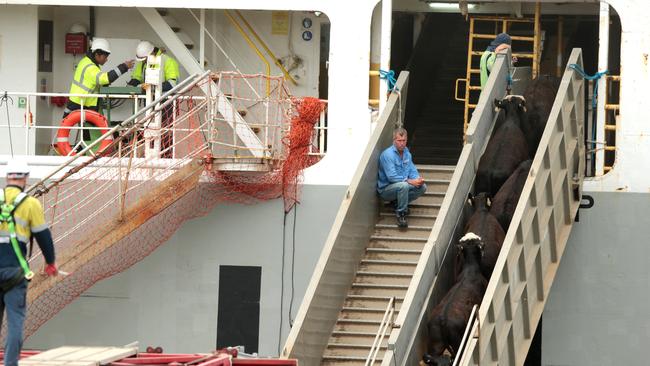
472	331
271	120
384	330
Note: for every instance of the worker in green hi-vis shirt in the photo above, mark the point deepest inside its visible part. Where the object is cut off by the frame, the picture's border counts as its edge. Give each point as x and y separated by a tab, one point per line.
169	78
501	42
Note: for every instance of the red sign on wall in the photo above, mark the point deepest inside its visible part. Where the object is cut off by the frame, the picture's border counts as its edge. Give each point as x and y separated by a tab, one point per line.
75	43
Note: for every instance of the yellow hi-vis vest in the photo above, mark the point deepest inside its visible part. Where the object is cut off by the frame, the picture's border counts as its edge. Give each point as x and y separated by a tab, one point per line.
88	77
167	64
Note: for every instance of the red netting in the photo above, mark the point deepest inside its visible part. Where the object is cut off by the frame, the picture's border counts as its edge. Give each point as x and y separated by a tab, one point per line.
285	180
111	212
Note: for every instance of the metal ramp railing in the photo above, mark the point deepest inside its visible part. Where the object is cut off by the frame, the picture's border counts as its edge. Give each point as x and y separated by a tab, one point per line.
534	244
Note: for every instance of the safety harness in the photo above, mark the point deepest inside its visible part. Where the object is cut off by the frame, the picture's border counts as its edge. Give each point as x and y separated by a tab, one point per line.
7	216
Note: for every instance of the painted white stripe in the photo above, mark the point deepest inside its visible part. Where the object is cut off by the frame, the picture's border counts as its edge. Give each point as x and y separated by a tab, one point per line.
62	139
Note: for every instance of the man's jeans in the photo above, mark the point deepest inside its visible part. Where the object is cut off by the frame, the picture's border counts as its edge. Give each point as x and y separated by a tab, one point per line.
13	301
403	193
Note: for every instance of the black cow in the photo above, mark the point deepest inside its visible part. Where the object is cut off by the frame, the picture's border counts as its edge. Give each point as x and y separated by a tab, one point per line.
540	96
505	201
505	150
449	318
483	224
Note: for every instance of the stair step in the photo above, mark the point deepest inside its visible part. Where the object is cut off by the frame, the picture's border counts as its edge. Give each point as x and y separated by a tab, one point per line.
367	346
371	301
378	290
393	250
350	351
416	209
388	218
394	231
405	245
379	285
333	360
389	262
384	274
388	280
396	238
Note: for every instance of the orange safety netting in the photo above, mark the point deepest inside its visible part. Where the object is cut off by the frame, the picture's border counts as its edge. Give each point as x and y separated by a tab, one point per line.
112	211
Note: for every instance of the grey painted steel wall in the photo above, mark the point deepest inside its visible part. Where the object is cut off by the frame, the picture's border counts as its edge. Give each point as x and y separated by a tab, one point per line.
170	298
597	310
432	277
345	244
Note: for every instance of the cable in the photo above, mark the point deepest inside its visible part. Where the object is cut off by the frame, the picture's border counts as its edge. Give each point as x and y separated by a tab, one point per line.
5	100
293	261
284	230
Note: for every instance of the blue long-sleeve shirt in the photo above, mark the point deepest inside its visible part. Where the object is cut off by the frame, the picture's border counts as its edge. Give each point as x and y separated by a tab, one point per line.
394	168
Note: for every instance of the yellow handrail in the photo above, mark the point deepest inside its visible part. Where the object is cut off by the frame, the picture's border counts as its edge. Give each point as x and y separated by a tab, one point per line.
268	50
252	45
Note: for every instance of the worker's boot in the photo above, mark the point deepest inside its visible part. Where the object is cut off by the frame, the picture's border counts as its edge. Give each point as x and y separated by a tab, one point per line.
401	219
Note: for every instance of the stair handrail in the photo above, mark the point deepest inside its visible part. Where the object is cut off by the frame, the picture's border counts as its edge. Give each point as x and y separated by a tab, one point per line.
165	99
266	48
385	325
472	323
253	46
223	51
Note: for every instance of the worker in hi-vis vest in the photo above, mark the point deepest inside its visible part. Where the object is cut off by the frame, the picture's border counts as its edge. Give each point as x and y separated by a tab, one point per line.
169	66
88	77
501	42
21	217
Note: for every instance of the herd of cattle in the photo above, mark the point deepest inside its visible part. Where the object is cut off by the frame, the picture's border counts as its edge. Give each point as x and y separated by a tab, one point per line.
500	178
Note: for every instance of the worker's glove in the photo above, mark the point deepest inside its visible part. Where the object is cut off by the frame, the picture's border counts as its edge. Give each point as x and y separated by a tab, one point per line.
51	270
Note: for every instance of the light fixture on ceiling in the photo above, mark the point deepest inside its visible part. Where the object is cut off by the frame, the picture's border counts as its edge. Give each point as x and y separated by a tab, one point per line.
448	6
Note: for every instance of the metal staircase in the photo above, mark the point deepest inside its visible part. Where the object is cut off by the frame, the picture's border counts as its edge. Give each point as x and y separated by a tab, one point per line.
385	272
224	107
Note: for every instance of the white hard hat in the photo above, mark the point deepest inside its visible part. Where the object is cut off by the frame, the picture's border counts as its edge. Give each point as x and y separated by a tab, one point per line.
17	167
78	28
100	44
143	50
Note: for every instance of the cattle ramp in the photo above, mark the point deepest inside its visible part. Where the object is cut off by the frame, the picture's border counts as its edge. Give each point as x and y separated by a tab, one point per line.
339	324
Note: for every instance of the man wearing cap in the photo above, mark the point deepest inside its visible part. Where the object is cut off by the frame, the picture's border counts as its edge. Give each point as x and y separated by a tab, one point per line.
88	76
21	217
501	42
168	65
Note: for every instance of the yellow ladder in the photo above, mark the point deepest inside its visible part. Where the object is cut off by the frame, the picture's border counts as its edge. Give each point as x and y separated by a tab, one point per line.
474	53
612	110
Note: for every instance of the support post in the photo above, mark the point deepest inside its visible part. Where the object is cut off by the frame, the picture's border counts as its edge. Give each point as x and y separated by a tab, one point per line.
603	62
202	39
384	63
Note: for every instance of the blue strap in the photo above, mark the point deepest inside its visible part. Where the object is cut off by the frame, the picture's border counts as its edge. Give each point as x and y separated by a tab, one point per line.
596	76
389	76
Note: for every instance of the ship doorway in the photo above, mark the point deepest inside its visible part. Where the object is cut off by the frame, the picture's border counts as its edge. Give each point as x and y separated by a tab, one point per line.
238	317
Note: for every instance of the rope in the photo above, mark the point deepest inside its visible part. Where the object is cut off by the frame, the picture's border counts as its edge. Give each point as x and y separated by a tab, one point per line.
5	99
596	76
389	76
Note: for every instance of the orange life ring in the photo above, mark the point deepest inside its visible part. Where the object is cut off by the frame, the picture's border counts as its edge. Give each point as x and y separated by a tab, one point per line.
63	134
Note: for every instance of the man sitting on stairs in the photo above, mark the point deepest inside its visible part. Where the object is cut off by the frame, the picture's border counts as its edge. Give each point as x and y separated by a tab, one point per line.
399	180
